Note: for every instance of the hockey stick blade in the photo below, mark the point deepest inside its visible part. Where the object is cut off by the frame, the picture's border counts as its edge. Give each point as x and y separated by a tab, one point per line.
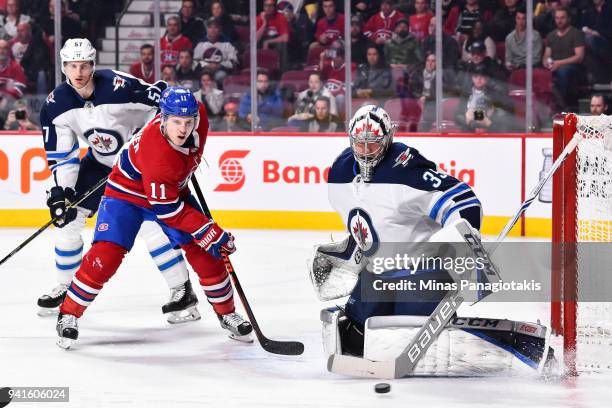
289	348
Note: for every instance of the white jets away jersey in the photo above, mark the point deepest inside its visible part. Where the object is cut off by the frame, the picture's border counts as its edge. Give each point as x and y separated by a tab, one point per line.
408	200
120	105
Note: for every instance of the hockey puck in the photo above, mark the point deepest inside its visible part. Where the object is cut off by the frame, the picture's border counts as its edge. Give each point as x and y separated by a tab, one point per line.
382	388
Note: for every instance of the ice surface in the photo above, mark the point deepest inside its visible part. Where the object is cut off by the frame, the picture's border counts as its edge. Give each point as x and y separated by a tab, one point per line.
128	356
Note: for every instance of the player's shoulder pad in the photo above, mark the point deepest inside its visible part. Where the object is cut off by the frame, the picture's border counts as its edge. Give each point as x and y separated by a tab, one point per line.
344	169
407	166
116	87
62	99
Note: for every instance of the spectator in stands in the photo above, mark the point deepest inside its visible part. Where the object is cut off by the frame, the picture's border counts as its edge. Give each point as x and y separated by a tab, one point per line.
305	104
403	50
503	21
373	79
460	21
19	117
71	28
545	21
217	10
482	109
364	9
215	53
187	70
273	31
563	55
32	53
516	44
145	69
12	78
379	27
419	21
478	35
572	9
359	42
168	74
231	120
173	41
269	104
192	26
329	27
450	49
211	97
599	105
13	18
496	73
323	120
332	67
301	34
596	23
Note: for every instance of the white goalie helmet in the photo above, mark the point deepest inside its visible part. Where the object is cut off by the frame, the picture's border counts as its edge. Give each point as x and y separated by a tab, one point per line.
77	49
371	134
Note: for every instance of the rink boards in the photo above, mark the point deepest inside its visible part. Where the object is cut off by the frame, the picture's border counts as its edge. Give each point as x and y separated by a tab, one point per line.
278	180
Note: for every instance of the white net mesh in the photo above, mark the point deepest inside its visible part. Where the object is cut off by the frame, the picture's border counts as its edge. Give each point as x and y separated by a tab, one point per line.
594	225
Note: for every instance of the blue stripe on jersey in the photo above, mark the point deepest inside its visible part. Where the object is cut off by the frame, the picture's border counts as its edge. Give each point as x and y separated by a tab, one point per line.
74	160
67	267
170	263
458	207
69	253
164	209
161	250
126	166
436	208
61	155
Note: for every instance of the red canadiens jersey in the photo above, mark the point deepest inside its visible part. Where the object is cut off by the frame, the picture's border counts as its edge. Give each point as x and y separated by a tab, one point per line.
381	26
170	48
152	172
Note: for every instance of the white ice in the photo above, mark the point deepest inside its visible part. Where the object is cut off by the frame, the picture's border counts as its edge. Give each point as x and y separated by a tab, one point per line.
128	356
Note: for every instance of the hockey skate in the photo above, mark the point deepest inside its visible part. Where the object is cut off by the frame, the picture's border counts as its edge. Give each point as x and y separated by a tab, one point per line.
67	329
49	303
238	328
182	305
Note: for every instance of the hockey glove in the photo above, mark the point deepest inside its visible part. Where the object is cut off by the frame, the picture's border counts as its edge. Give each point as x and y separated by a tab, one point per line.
215	241
57	199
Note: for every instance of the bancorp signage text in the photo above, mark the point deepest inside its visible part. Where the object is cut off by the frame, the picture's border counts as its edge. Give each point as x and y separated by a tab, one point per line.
288	173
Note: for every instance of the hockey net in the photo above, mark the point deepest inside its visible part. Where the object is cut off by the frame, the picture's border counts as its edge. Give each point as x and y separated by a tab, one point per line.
582	225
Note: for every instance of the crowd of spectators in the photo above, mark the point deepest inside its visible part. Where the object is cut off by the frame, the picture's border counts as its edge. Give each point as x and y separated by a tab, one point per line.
205	47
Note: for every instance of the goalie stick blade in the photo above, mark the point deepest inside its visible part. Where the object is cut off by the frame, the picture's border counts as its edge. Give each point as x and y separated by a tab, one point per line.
287	348
360	367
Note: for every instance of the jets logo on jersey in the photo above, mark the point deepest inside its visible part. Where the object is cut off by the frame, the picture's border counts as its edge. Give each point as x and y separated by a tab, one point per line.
362	229
403	158
51	98
104	141
118	82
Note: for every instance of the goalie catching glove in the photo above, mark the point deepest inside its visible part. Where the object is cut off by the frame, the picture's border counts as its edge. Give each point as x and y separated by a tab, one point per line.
58	198
215	240
335	268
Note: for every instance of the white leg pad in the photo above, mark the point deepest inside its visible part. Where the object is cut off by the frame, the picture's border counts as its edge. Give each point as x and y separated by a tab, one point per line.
168	260
455	352
69	247
331	335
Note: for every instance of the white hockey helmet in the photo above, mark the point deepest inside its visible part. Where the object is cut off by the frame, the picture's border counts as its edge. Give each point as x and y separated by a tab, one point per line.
371	134
77	49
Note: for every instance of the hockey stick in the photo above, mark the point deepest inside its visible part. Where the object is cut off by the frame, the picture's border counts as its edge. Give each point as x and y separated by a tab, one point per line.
44	227
290	348
534	193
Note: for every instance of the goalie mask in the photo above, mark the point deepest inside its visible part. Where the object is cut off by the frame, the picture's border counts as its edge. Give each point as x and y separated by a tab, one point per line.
371	134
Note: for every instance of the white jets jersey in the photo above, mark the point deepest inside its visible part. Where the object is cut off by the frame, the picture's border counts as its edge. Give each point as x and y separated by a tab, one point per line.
120	105
408	200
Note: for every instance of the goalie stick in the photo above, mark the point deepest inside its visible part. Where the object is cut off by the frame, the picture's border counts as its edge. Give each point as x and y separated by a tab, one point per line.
290	348
48	224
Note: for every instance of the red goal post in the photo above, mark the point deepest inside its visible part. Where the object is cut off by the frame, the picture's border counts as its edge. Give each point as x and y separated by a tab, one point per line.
581	214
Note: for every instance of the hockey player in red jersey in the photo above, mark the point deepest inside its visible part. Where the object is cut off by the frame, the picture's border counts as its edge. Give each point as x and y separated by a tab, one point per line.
149	182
